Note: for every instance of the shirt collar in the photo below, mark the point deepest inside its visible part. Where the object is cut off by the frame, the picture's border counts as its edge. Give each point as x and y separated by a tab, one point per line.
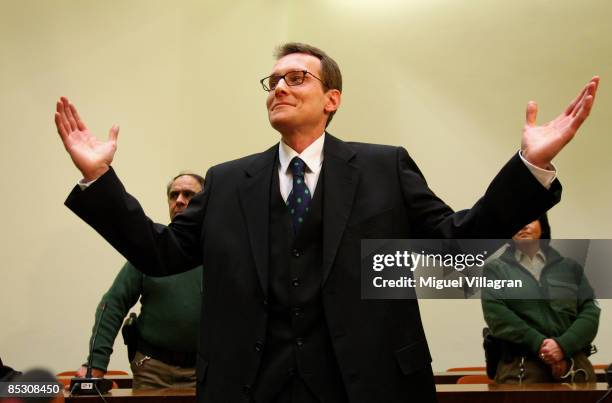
519	256
312	155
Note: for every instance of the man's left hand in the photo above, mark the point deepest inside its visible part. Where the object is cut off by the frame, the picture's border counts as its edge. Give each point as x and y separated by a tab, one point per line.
540	144
551	352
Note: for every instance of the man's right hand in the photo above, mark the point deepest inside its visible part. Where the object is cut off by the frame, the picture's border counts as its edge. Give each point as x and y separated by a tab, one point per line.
91	156
95	372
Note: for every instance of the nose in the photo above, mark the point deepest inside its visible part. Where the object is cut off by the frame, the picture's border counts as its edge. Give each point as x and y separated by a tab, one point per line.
181	200
281	86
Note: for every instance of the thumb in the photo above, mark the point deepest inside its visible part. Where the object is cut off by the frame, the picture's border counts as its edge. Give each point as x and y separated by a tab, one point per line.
113	133
531	113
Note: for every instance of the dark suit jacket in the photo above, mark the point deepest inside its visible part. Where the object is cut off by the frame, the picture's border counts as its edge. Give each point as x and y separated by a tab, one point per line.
369	191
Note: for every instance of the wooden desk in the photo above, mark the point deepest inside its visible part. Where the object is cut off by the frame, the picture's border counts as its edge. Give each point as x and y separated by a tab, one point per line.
441	378
445	378
134	396
536	393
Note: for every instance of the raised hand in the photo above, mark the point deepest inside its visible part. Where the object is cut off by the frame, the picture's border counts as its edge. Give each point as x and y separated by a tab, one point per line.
91	156
540	144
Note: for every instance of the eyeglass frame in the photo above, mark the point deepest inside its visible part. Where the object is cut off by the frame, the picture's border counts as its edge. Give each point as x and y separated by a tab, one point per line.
304	72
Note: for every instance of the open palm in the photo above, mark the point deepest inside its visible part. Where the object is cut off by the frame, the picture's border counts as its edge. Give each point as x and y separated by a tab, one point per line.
540	144
90	155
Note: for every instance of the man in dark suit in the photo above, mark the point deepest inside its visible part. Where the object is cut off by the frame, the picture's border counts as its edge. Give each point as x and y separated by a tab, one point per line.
279	235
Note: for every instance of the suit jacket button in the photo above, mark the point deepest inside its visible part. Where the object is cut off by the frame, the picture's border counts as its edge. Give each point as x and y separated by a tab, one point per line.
295	282
246	389
296	253
258	346
299	342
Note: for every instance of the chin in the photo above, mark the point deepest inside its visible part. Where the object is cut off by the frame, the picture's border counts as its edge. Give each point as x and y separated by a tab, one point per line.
279	123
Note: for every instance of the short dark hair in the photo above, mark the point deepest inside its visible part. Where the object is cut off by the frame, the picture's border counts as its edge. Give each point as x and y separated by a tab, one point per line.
330	72
195	176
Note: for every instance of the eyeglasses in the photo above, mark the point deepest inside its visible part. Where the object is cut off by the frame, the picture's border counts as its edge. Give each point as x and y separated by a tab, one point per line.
292	78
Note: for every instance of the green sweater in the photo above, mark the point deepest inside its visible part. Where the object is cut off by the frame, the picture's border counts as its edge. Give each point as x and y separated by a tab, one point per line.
560	306
169	315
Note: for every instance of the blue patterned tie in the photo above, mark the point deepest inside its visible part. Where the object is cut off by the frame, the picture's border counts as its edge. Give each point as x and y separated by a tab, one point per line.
300	197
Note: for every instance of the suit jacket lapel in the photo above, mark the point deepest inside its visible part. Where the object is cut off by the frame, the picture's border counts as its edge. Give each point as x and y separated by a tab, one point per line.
255	202
339	186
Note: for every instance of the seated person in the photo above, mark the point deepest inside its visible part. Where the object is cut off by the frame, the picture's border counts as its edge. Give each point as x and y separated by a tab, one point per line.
542	338
169	317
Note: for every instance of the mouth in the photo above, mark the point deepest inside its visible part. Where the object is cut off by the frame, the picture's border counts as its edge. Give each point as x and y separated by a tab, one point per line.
278	105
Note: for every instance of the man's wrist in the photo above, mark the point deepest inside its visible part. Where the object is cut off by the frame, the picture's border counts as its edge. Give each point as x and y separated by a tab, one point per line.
89	179
544	176
92	176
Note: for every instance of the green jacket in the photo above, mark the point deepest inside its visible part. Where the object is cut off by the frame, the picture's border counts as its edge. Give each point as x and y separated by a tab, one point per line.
560	306
169	314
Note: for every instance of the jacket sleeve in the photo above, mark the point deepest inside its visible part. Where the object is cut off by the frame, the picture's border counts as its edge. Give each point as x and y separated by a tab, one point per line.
514	198
156	249
584	329
503	322
116	303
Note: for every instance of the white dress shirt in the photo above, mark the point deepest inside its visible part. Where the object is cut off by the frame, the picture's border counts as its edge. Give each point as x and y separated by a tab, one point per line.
533	266
312	157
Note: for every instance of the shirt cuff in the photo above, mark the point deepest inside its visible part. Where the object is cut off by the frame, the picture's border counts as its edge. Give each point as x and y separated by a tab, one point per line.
544	176
84	185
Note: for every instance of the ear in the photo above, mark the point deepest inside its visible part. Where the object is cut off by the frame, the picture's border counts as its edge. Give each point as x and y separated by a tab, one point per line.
334	97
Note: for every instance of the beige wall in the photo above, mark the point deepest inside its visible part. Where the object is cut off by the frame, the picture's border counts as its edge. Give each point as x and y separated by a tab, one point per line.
446	79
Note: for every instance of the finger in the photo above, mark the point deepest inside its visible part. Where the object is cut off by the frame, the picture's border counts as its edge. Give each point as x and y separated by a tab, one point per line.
59	124
531	113
113	133
59	107
584	112
574	104
69	117
79	122
589	89
592	89
595	80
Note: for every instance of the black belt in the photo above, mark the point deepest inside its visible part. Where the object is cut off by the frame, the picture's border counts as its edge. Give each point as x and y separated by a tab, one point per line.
177	358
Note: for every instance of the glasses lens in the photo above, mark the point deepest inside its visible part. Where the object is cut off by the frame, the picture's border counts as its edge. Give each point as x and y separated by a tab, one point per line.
294	77
271	82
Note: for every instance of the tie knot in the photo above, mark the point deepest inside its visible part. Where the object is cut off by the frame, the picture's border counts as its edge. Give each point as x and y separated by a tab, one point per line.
297	166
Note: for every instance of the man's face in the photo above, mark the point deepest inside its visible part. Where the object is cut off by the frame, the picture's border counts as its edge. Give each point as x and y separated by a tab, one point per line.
533	230
181	191
303	106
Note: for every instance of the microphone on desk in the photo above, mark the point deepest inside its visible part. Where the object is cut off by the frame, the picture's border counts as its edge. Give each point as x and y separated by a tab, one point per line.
90	385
